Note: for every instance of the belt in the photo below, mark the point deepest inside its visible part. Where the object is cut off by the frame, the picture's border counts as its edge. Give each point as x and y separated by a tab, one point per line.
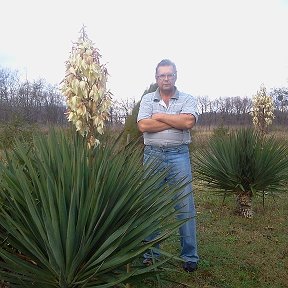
164	148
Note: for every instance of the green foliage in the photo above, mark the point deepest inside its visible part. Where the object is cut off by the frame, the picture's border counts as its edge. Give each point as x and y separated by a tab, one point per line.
243	161
131	128
74	217
152	88
220	131
13	130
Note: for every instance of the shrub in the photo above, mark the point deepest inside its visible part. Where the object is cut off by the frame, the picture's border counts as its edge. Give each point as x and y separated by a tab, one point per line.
74	216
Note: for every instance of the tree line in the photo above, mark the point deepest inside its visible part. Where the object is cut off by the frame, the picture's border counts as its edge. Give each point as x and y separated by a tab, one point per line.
42	103
237	110
30	102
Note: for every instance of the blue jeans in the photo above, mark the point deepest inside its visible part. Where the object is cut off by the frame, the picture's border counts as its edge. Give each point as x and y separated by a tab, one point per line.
178	160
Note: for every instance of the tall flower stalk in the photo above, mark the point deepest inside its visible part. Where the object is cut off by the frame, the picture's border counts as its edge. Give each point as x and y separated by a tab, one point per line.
262	113
84	86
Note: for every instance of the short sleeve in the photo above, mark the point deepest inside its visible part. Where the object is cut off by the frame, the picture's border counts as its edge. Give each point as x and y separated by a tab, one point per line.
190	106
146	107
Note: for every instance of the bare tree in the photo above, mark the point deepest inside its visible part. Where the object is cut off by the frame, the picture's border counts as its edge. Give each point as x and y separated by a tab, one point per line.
203	104
9	83
280	98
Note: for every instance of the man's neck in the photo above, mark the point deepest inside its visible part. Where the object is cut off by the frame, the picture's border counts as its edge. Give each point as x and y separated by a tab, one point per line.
167	94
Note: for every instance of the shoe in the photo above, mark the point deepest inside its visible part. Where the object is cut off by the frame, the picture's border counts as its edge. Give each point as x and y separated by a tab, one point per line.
147	262
190	266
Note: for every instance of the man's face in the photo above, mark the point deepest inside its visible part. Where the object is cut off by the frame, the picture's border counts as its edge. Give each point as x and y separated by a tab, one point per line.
166	78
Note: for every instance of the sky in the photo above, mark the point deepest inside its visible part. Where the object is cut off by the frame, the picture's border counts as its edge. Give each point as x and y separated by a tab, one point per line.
222	48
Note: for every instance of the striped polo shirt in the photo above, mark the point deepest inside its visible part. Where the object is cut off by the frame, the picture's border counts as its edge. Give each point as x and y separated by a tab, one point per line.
179	103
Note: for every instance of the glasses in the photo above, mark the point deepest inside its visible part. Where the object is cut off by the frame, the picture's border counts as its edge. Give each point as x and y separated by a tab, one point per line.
163	76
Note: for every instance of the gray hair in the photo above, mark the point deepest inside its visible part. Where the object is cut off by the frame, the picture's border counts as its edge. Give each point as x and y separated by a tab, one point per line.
166	62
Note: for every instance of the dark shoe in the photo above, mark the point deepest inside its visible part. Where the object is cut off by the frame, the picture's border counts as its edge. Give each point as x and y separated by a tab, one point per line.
190	266
147	262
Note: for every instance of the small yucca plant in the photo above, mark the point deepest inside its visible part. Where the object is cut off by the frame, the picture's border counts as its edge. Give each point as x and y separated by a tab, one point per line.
244	164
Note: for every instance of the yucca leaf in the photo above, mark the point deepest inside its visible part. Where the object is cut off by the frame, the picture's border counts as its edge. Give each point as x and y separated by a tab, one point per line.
243	160
80	215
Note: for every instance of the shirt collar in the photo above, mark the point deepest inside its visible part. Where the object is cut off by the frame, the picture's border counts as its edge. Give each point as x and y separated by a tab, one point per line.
157	96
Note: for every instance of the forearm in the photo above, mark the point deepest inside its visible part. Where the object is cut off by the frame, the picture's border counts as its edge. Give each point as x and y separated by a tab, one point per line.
152	125
178	121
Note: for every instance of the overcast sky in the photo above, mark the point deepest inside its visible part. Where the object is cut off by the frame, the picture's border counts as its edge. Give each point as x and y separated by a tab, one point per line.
221	47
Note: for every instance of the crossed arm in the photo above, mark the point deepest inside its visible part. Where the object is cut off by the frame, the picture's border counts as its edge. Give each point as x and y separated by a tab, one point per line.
161	121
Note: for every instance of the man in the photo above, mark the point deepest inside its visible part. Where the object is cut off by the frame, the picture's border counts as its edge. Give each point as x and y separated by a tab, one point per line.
165	117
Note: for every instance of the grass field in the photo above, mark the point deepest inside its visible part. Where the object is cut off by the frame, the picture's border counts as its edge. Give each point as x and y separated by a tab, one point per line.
235	252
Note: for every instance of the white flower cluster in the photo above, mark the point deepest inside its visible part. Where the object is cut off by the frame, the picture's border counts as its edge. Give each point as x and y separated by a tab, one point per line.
263	107
84	87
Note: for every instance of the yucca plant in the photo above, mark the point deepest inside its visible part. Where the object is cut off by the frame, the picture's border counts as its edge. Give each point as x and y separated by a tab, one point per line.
67	223
244	164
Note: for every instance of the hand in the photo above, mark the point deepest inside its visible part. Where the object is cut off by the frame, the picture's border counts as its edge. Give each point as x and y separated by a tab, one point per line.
158	116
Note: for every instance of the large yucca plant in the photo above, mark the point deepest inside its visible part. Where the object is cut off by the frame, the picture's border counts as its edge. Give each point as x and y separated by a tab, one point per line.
243	163
74	217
